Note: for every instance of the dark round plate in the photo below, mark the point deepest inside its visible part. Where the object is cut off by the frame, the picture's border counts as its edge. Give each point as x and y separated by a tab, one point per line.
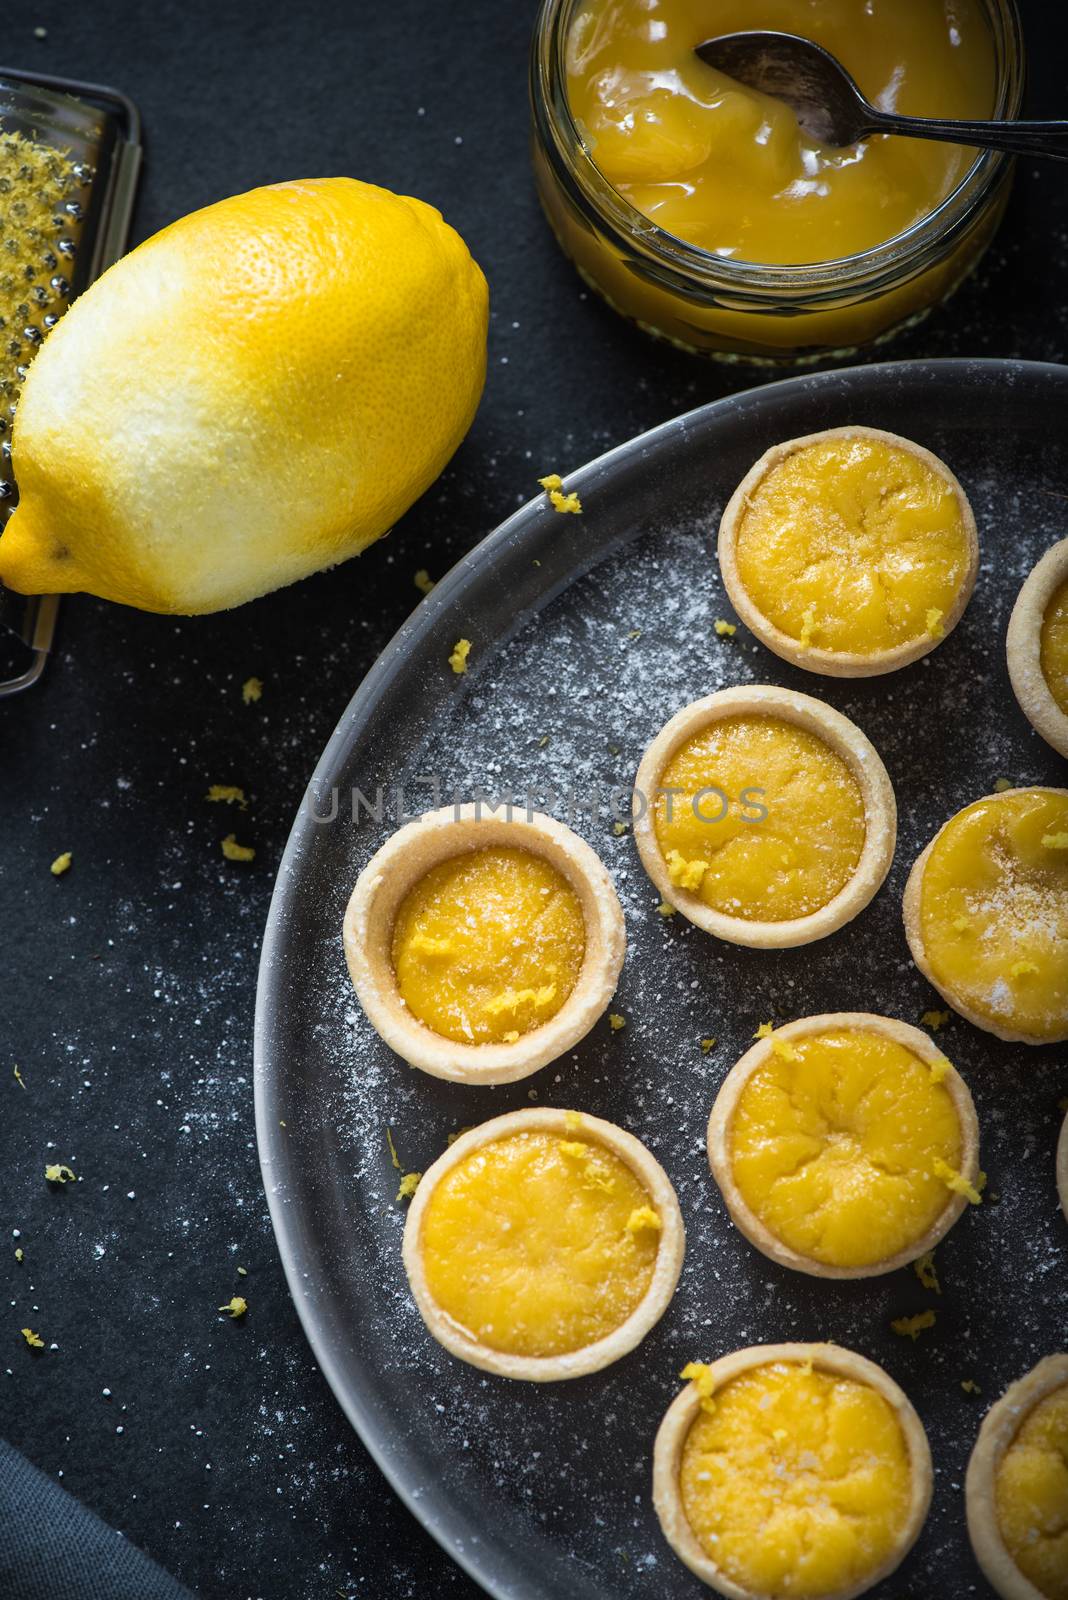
587	633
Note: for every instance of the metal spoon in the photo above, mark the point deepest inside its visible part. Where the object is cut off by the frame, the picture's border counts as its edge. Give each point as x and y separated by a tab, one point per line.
830	107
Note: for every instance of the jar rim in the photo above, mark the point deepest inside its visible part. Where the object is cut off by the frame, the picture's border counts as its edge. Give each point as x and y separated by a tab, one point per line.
862	269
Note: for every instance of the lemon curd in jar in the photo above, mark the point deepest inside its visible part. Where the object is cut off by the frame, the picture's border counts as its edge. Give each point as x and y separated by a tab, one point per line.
728	168
733	181
488	945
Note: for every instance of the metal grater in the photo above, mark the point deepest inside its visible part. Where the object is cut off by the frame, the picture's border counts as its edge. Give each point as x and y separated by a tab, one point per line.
66	196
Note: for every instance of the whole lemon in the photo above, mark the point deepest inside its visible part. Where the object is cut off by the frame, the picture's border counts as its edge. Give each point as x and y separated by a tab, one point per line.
255	393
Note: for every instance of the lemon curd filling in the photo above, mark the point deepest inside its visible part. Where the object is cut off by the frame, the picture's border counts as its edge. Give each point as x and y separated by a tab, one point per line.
729	169
1031	1496
833	1143
994	910
853	545
1053	647
539	1246
759	819
795	1481
488	945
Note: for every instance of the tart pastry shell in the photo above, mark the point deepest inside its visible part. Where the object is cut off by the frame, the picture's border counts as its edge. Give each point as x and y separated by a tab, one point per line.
402	861
914	935
846	740
685	1408
1000	1426
838	663
1023	644
575	1363
721	1162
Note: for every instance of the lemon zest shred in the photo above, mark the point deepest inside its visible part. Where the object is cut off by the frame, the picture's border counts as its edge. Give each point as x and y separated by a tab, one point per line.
665	909
939	1069
235	1307
1022	969
34	1340
912	1327
724	629
61	864
553	485
707	1045
958	1183
934	1020
572	1121
252	690
19	1078
616	1021
408	1185
808	628
460	653
423	581
237	852
58	1173
393	1156
1001	785
970	1386
933	623
765	1030
925	1269
18	1252
685	874
699	1373
620	828
643	1217
229	794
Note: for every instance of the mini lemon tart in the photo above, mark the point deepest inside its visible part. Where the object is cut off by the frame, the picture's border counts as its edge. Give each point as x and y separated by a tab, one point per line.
765	816
1037	648
480	947
850	552
543	1245
832	1140
791	1470
1017	1487
986	914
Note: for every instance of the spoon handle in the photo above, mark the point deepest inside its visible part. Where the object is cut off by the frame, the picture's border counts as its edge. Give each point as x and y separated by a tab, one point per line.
1049	139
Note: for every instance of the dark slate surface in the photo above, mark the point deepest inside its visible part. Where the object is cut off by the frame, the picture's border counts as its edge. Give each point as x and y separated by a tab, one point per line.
127	986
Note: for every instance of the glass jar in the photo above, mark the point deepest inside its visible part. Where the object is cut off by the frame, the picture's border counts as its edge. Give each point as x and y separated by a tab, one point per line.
737	310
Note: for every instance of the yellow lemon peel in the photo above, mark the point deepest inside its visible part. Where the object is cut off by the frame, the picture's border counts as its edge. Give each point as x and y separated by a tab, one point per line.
957	1182
458	659
61	864
408	1185
912	1327
699	1373
236	852
925	1269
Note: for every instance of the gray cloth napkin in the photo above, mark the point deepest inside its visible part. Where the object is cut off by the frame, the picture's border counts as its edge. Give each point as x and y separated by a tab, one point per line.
50	1544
